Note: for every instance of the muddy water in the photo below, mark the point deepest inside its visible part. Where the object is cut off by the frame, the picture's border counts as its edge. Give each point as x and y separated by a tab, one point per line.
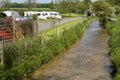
86	60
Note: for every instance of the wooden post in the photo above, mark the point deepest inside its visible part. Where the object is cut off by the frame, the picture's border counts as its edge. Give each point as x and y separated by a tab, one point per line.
13	25
57	32
73	26
38	24
42	38
65	28
1	53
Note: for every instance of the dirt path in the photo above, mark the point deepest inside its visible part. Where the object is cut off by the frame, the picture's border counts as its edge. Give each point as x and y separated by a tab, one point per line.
47	25
86	60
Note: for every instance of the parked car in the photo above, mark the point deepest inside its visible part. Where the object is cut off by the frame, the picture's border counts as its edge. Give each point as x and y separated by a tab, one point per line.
17	17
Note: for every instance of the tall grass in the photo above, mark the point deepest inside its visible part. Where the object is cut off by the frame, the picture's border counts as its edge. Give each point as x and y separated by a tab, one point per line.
113	29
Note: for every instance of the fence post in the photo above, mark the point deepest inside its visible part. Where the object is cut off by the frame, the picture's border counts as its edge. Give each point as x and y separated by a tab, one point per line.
73	26
42	38
13	25
1	53
38	24
65	28
57	32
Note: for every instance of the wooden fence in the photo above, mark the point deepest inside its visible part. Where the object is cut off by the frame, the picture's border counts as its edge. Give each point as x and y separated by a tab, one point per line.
1	52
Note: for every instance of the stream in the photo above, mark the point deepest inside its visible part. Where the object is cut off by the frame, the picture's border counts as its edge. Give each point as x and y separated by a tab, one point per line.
87	59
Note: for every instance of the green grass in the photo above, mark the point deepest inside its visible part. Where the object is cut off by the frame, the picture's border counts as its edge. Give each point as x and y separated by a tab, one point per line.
52	31
66	15
34	9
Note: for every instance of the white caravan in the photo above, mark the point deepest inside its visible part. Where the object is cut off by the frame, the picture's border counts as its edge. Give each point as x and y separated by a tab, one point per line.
55	15
43	15
29	13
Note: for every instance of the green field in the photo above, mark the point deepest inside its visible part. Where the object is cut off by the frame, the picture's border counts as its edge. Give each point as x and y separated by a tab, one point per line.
72	15
52	31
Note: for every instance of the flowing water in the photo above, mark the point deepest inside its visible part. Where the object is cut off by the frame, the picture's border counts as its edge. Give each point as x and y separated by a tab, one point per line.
86	60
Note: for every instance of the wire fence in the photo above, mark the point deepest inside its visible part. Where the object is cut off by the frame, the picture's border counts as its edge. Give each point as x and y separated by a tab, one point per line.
12	31
24	37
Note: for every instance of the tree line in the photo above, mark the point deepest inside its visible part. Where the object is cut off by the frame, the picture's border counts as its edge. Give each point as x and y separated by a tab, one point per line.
7	4
77	6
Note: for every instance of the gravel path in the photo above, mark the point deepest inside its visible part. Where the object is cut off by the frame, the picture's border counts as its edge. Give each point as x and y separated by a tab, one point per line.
46	25
86	60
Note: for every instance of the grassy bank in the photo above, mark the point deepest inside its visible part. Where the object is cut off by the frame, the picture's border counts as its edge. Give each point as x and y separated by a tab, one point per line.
24	56
52	31
113	29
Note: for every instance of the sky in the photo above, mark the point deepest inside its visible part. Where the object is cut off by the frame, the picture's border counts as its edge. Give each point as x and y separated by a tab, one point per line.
40	1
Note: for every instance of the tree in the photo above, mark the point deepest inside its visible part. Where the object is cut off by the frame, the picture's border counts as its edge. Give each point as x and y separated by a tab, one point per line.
6	4
117	10
104	11
78	6
87	4
116	2
67	6
30	4
52	5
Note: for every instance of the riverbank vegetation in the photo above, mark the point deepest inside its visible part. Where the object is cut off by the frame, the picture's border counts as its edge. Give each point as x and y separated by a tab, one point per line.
24	56
113	29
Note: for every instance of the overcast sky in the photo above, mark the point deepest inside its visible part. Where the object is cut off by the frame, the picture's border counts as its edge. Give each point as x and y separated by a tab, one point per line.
40	1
